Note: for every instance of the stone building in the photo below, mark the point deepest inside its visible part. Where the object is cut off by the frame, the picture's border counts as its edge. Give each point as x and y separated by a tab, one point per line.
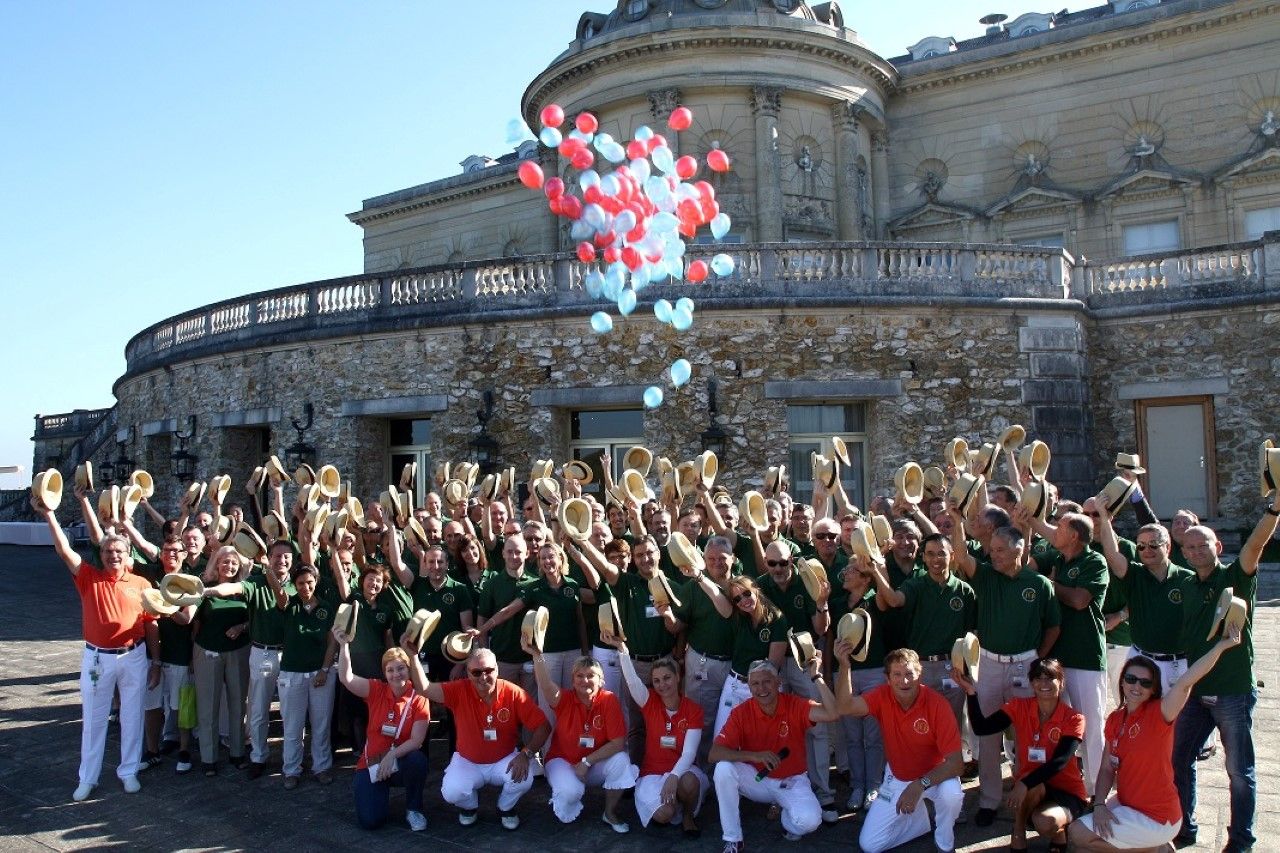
1061	223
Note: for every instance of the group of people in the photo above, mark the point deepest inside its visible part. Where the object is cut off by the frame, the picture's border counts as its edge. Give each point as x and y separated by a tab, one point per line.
672	641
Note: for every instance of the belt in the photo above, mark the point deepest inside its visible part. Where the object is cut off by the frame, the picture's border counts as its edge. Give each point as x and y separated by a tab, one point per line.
119	650
1019	657
710	656
267	648
647	658
935	658
741	678
1161	658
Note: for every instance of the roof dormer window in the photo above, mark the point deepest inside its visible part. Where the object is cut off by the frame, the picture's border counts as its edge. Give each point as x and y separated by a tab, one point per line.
1029	24
932	46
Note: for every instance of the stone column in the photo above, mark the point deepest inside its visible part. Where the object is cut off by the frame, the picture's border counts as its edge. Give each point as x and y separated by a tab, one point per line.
880	181
844	118
766	102
558	239
661	104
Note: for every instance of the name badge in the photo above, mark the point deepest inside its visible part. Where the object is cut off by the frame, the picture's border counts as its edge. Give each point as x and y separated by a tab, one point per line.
651	612
1019	682
948	684
1036	754
389	730
668	741
700	676
585	742
490	734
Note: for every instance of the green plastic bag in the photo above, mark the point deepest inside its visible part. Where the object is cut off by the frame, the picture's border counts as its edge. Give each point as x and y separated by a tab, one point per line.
187	707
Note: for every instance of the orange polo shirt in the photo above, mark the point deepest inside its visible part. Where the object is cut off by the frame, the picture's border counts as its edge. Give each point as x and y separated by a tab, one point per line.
1031	733
664	733
1142	742
111	607
582	729
750	729
916	739
386	710
511	709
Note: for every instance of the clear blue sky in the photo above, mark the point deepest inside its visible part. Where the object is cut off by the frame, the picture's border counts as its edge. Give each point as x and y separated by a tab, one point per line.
157	156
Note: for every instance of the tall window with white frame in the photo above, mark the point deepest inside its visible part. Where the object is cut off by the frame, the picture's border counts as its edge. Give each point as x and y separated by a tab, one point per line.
411	442
611	431
812	427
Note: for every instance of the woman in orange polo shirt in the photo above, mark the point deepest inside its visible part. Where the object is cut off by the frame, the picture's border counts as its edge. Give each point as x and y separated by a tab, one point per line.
1144	813
1050	790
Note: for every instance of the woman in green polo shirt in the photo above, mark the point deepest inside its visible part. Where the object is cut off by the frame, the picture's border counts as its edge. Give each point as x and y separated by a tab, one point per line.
220	661
305	683
759	633
566	638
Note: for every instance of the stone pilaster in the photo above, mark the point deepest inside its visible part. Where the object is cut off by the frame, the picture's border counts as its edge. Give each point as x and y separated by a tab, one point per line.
766	102
880	182
851	188
661	104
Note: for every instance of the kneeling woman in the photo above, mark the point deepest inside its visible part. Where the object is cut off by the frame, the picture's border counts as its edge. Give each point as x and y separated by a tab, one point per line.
1050	792
398	720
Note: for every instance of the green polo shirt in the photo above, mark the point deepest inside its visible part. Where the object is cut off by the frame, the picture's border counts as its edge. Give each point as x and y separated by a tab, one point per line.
495	553
893	622
397	599
1046	556
706	630
214	617
1013	612
175	642
590	612
1115	599
452	599
306	635
646	633
564	604
1155	608
838	563
1081	645
807	550
746	553
372	623
266	621
1233	673
937	614
879	645
795	602
751	643
500	590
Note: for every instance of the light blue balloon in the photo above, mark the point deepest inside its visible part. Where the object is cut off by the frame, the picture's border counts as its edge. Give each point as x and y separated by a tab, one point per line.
625	221
659	192
585	137
601	323
652	397
673	248
680	371
517	132
626	302
681	320
602	139
588	179
613	152
610	184
581	230
594	284
684	303
662	310
644	133
641	170
663	159
641	277
657	272
720	225
551	137
722	265
595	216
663	223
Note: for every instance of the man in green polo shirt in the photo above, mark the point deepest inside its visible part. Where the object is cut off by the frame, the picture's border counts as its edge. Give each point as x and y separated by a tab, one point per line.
433	589
1080	584
499	603
1224	699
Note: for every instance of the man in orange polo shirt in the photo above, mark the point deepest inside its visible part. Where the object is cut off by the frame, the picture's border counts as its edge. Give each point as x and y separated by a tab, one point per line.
489	713
922	753
761	752
118	639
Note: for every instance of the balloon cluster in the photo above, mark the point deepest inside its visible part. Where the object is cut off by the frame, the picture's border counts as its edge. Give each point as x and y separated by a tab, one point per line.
632	210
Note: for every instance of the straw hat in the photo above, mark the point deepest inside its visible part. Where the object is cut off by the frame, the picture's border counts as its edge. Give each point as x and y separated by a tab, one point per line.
421	626
935	482
508	481
965	490
274	469
576	469
534	626
305	475
310	496
751	511
839	451
608	620
415	532
541	468
671	489
249	544
882	529
130	497
408	474
47	487
812	575
1035	499
144	481
855	628
194	496
346	618
109	504
455	492
330	481
984	460
456	646
222	532
708	467
688	475
275	526
440	473
639	458
824	471
1129	462
336	521
355	512
547	491
956	453
1012	437
965	654
909	482
153	602
344	494
489	487
317	517
664	466
863	541
84	476
802	649
1035	458
1114	494
182	589
633	484
255	479
683	552
390	503
405	508
467	472
775	478
575	518
1269	467
1230	610
660	589
219	486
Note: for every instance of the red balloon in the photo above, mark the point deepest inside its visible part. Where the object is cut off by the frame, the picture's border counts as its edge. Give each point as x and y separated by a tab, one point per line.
552	115
604	239
530	174
687	229
717	160
680	119
611	255
592	194
570	206
570	146
635	235
636	150
586	252
611	204
586	123
632	258
582	159
556	206
697	271
554	188
705	189
710	209
656	141
686	167
689	211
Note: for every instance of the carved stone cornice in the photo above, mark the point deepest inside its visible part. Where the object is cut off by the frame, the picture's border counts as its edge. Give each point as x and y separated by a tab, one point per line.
486	182
766	100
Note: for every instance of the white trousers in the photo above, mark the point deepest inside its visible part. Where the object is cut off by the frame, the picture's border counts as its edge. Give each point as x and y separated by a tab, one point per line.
301	701
614	773
101	675
801	813
735	692
998	682
264	671
704	680
1087	693
1170	670
612	674
884	828
463	780
649	795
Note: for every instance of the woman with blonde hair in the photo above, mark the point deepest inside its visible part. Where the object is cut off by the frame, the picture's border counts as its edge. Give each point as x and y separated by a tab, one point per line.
759	633
220	660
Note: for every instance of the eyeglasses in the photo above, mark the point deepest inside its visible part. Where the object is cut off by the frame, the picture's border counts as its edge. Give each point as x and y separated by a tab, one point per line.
478	673
1146	683
777	564
742	596
1150	546
827	536
1092	514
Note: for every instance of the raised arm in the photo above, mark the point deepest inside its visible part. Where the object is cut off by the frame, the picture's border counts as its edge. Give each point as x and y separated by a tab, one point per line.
827	712
61	546
150	551
1106	536
846	703
635	686
964	561
1251	552
547	688
153	513
1172	703
356	684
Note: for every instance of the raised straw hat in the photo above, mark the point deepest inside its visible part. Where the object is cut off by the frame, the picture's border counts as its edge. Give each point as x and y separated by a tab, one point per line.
144	481
909	483
84	476
47	488
575	518
751	511
639	458
1035	458
855	628
965	654
421	626
533	628
329	480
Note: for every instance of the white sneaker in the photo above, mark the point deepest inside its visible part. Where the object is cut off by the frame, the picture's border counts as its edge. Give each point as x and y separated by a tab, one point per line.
511	821
829	813
417	820
871	797
82	793
467	818
791	836
619	826
131	784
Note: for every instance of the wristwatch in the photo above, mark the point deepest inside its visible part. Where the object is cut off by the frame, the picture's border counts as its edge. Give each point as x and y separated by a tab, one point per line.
1270	510
586	762
926	782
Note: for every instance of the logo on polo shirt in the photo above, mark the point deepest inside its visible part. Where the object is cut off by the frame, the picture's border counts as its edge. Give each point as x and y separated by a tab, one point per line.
1073	572
764	635
784	729
799	601
567	591
322	613
1175	596
504	714
920	726
597	722
1134	731
957	603
1055	734
1029	594
683	724
447	598
380	616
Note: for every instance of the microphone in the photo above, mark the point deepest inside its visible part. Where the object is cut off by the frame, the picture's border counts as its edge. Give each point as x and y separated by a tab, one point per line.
782	753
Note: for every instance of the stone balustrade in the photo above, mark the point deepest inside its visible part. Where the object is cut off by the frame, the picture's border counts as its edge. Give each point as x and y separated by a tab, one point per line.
773	273
68	424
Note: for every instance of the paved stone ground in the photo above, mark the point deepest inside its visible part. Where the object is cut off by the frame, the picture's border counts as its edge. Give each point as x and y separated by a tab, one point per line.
39	754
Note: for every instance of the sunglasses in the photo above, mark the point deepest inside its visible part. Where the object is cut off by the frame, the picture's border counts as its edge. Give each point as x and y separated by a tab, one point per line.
777	564
741	597
1145	683
828	536
478	673
1150	546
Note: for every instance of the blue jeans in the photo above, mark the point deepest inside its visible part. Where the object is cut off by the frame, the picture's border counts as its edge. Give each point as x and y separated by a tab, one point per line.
1233	717
863	742
373	799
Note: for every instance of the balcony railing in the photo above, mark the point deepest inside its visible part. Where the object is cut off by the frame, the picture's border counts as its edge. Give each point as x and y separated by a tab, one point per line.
68	424
792	273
